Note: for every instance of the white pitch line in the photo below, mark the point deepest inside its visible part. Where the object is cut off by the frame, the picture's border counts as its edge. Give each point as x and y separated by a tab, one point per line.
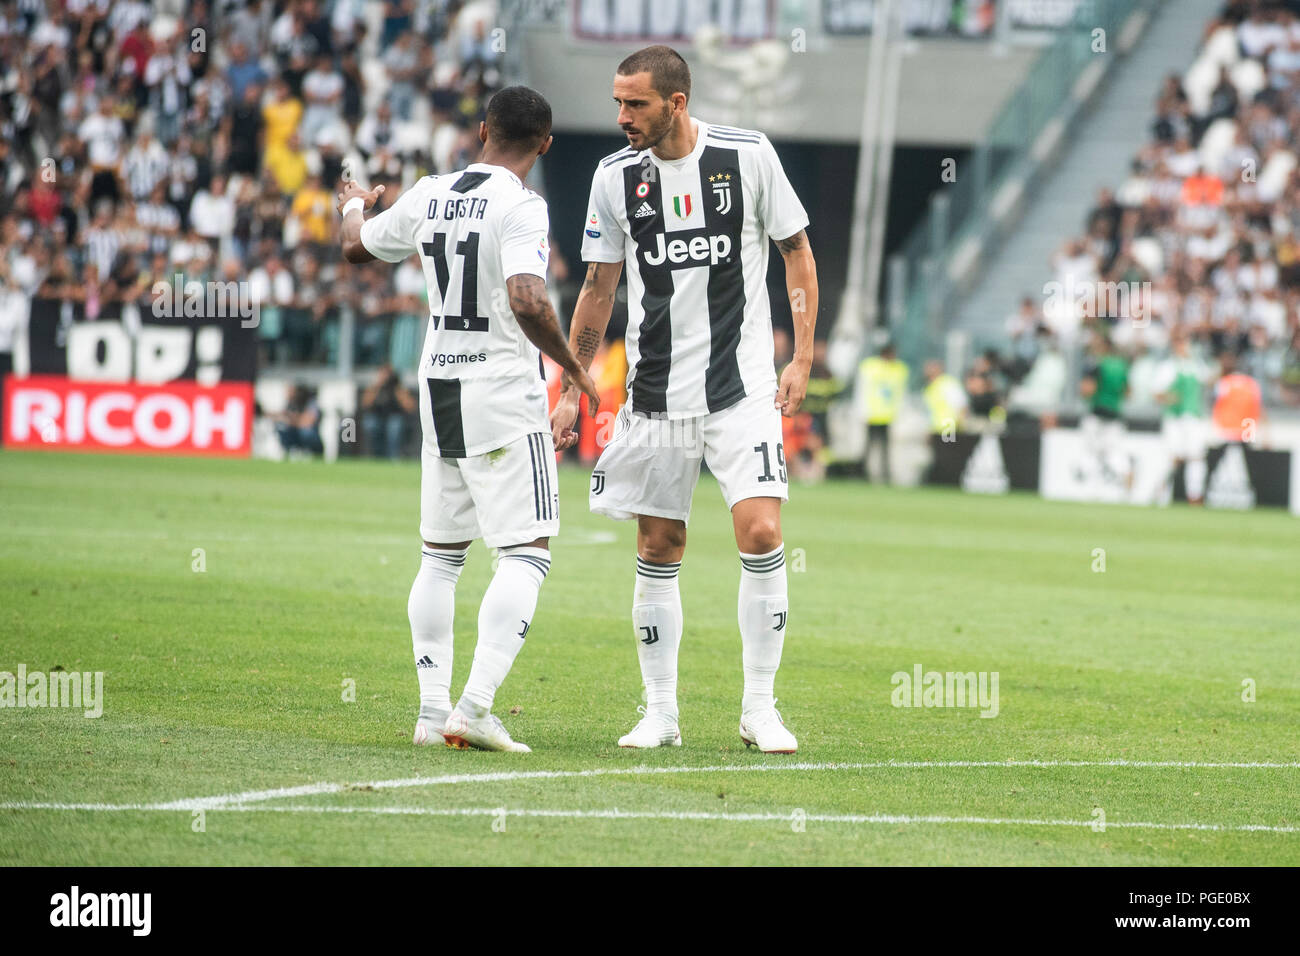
888	819
501	776
221	800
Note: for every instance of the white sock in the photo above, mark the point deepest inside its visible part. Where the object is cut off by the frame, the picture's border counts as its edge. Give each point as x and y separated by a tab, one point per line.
503	621
762	608
431	609
657	620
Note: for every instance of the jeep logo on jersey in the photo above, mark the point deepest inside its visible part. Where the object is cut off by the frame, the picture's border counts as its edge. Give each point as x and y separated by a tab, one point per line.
695	251
682	206
722	192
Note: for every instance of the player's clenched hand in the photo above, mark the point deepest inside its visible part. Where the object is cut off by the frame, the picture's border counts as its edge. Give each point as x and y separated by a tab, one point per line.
794	387
565	415
351	191
563	418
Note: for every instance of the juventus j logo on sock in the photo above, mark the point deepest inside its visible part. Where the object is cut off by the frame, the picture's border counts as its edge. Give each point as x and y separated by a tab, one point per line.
524	633
651	634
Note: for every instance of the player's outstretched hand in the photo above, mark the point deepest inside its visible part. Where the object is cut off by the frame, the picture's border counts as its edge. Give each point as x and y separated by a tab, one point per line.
351	191
793	389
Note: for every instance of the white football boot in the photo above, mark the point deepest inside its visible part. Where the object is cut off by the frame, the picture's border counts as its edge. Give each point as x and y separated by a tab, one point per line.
652	730
428	727
483	733
765	729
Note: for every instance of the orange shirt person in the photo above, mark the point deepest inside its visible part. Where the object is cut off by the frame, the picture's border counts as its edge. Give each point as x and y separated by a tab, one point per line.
1238	405
1202	189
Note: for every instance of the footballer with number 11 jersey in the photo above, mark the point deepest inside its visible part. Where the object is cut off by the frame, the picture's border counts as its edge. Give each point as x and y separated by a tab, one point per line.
488	462
689	207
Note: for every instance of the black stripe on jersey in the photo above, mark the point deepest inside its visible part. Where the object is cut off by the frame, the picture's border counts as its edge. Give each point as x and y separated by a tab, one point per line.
470	181
616	157
448	425
649	380
723	190
537	484
733	137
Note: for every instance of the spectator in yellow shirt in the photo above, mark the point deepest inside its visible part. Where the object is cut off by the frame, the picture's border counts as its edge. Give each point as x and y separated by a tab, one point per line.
288	164
281	115
312	207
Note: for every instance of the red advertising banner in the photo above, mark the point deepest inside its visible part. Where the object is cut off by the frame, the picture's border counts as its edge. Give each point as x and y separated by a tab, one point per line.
51	411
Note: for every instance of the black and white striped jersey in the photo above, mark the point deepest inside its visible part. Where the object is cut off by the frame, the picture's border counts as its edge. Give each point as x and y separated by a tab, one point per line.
480	377
694	236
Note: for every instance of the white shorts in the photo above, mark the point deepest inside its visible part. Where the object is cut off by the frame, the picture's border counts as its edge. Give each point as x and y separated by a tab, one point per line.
506	497
1185	436
651	465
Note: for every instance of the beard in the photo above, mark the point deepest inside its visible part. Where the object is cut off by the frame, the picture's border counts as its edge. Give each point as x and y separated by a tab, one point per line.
653	133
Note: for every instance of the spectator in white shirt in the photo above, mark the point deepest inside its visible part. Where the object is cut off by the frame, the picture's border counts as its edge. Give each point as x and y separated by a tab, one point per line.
52	31
322	92
1184	161
102	133
271	284
168	78
402	60
1259	33
212	211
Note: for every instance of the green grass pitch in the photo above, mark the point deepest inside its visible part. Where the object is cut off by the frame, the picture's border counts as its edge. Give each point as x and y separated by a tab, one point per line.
232	679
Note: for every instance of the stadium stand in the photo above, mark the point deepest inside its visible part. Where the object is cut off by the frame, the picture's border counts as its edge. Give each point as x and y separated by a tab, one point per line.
138	140
1201	235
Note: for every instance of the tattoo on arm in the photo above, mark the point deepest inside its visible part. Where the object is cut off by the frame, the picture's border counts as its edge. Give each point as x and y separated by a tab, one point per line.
532	309
588	343
528	299
596	274
792	243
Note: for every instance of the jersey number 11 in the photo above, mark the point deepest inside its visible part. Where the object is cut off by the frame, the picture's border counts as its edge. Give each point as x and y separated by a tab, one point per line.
468	320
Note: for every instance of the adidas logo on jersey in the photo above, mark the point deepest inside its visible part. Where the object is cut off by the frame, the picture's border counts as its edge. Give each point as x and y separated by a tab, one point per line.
644	210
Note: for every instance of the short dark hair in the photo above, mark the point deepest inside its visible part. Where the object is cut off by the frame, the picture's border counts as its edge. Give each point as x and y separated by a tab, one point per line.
518	118
669	73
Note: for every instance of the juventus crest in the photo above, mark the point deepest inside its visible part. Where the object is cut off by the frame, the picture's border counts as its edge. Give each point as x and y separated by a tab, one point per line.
721	185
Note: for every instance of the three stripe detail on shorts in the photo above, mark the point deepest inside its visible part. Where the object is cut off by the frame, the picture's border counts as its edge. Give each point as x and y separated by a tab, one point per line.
542	495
